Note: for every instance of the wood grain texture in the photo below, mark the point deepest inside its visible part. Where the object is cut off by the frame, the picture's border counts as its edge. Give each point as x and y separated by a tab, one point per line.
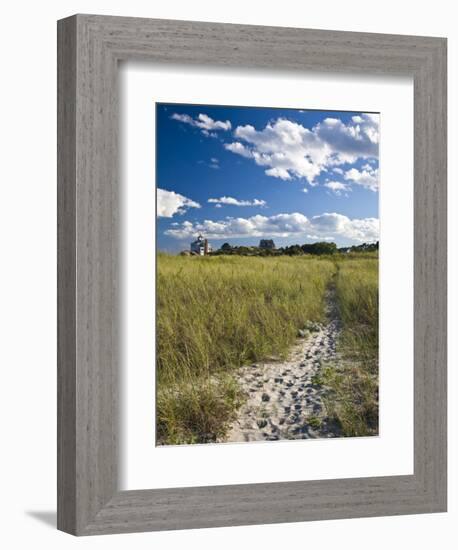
90	48
66	275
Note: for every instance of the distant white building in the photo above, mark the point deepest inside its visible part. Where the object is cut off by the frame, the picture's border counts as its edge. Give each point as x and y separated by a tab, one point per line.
201	246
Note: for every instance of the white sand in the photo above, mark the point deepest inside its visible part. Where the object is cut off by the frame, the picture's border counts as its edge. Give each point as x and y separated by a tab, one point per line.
283	402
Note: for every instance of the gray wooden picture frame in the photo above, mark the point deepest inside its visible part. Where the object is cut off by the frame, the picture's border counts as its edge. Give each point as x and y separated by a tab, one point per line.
89	49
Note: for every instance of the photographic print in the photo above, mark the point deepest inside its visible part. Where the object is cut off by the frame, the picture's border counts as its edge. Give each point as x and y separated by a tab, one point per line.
267	232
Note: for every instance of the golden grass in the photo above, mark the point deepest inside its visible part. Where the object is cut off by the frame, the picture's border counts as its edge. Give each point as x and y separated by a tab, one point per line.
353	399
216	314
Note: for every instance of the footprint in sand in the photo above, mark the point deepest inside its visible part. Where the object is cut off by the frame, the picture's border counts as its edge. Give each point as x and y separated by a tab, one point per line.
282	400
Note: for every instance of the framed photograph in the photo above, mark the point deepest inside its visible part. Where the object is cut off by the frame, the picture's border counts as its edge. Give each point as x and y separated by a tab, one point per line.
251	275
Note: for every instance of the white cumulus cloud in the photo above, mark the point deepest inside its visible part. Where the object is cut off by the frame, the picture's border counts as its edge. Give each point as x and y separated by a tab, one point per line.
236	202
206	124
367	177
327	226
288	150
332	224
170	203
337	187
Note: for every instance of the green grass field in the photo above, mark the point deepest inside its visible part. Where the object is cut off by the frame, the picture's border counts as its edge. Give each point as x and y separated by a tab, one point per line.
215	314
353	382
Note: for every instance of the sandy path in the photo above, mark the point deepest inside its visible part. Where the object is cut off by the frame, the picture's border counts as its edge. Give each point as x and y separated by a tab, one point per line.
283	402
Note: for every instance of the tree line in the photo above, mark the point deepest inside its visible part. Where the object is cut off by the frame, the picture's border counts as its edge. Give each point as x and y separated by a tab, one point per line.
316	249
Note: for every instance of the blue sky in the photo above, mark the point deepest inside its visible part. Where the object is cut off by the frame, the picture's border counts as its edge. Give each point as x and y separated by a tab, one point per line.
239	174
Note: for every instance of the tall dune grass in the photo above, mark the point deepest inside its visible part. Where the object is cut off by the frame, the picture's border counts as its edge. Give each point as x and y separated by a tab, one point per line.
353	399
357	299
215	314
